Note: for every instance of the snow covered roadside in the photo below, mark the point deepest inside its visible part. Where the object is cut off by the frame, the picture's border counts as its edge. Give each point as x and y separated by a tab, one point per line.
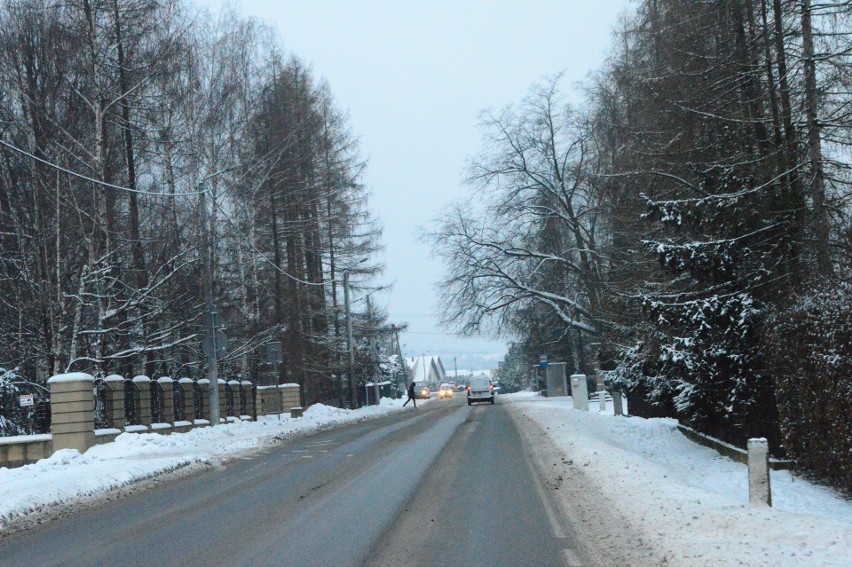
684	502
67	478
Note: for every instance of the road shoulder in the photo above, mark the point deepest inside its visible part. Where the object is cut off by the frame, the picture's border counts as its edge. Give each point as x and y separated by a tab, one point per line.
603	535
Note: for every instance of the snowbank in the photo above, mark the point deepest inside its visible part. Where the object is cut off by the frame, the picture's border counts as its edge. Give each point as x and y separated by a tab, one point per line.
686	501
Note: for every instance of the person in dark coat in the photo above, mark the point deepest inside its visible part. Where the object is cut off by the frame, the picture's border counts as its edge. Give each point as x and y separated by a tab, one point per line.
410	396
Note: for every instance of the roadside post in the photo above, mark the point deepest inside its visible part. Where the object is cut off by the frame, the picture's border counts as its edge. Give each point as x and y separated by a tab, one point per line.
601	393
759	490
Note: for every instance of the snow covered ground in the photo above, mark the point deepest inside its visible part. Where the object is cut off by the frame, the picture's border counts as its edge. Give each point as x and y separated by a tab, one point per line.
686	502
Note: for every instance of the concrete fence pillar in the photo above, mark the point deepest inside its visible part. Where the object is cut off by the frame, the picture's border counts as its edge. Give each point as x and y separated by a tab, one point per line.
72	408
290	395
204	384
143	412
580	392
116	386
759	490
168	386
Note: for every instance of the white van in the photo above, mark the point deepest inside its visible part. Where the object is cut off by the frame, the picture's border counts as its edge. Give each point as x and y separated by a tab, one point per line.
480	389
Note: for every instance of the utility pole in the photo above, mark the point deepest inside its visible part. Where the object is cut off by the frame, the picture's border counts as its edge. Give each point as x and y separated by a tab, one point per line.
353	395
374	352
210	329
456	369
215	340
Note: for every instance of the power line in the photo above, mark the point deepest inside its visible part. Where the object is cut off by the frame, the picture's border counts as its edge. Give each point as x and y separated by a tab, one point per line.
91	179
415	315
434	333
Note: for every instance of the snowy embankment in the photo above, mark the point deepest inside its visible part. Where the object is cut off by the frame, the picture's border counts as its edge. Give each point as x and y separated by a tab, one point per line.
67	478
684	502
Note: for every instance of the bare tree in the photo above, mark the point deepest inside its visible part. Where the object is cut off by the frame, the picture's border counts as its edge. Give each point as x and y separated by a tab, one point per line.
534	241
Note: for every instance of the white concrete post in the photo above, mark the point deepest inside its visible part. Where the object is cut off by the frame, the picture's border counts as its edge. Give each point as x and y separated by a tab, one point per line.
617	406
759	491
601	399
580	392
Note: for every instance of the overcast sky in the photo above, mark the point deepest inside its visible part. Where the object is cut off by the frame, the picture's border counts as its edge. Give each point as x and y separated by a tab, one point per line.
414	77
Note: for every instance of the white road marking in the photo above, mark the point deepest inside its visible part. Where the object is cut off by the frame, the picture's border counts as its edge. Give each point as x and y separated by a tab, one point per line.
552	516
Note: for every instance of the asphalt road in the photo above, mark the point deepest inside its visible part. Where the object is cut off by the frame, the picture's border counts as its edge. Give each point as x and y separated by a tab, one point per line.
445	484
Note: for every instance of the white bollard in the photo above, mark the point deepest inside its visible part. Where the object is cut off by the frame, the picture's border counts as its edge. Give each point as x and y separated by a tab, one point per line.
617	406
601	399
759	491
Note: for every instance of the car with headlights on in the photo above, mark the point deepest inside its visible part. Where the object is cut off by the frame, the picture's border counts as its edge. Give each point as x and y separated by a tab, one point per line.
445	391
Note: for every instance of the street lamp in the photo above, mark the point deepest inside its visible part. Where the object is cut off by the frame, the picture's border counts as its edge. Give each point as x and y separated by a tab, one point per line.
353	395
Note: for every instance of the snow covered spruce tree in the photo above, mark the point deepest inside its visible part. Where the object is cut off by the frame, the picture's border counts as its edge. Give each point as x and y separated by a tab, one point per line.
706	178
720	251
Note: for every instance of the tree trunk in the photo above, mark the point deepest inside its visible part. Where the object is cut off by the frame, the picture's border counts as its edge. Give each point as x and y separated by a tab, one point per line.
821	232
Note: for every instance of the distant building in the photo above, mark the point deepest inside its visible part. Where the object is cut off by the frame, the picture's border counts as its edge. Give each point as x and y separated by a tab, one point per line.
426	369
459	377
464	375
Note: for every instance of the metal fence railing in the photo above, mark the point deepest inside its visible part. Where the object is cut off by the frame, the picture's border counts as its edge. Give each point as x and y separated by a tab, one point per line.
157	402
103	404
197	401
229	400
131	403
179	399
16	419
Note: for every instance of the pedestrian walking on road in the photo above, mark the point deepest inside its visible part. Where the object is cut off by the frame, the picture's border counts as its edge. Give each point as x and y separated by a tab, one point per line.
410	396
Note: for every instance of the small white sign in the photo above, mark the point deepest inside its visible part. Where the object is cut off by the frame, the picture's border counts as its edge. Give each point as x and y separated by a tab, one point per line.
26	400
